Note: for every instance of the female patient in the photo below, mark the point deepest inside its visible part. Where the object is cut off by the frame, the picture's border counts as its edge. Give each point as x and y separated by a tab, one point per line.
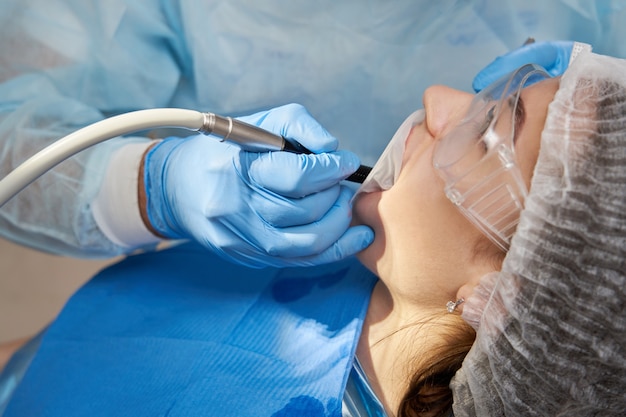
565	331
427	255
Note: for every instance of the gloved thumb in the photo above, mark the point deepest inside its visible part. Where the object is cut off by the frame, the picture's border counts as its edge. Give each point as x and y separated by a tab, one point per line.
554	57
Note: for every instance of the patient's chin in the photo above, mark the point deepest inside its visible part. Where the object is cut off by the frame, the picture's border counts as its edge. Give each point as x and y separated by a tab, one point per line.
371	256
365	210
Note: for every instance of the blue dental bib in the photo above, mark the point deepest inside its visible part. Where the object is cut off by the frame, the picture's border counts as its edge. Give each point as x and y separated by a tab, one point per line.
183	333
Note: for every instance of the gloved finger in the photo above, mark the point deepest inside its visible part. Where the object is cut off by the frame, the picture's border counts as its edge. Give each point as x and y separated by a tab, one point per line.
298	175
281	212
293	121
313	238
353	241
553	56
356	239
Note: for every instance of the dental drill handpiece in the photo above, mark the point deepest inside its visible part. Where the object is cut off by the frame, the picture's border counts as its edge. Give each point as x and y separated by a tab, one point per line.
255	139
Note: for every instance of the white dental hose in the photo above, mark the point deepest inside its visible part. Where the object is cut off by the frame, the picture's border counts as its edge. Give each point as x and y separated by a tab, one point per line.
247	136
47	158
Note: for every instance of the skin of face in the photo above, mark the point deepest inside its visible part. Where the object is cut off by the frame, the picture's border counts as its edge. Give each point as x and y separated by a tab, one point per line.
424	248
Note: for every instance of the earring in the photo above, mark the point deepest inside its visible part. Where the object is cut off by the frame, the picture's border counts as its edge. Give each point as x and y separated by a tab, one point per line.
452	305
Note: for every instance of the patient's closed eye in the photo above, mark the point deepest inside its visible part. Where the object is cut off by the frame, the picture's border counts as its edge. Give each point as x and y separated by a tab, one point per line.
488	119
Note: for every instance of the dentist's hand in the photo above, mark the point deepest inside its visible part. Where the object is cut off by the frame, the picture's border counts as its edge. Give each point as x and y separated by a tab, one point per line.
257	209
553	56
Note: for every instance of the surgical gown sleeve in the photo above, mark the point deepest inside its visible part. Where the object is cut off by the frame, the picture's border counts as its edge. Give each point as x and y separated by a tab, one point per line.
64	65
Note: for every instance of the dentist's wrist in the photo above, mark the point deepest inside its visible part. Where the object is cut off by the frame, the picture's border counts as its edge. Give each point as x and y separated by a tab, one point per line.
142	193
116	208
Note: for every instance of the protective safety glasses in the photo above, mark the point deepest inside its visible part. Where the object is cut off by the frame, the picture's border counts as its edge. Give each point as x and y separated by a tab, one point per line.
477	158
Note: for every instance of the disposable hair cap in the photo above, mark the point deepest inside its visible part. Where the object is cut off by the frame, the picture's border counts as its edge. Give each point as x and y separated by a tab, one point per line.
551	338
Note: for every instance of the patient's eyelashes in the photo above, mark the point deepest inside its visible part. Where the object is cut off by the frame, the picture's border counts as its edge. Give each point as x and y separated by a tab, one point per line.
489	116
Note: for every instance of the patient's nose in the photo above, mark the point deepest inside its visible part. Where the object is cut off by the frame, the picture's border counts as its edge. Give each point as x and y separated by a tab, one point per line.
444	107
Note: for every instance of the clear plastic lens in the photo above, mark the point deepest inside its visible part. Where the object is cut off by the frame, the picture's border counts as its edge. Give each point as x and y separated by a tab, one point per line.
477	158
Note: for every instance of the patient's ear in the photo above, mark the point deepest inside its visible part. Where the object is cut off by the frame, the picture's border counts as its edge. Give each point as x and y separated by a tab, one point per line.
467	289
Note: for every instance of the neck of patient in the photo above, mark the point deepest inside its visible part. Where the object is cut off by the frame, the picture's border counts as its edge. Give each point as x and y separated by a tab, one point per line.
396	332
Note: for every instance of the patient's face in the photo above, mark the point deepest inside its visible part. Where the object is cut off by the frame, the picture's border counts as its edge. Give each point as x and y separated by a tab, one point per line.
419	232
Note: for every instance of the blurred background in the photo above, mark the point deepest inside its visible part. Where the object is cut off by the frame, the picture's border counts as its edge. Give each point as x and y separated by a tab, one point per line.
34	286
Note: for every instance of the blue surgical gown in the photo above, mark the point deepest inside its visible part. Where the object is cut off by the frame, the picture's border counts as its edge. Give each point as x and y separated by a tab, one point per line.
360	67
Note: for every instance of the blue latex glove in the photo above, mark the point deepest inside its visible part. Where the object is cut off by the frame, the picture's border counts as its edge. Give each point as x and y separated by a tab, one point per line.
257	209
553	56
